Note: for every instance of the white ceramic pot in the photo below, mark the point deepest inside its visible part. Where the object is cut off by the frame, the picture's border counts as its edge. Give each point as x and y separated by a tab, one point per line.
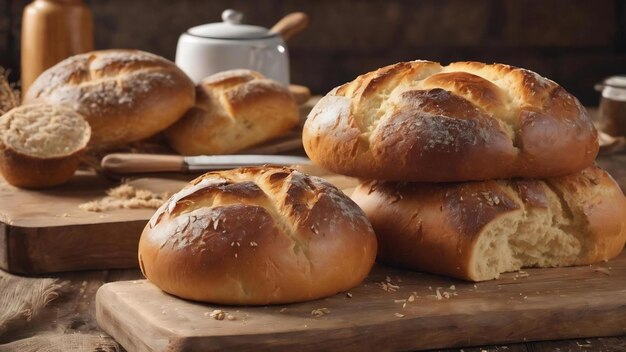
210	48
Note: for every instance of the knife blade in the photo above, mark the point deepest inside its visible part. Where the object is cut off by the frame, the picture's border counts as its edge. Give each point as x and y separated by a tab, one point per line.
221	162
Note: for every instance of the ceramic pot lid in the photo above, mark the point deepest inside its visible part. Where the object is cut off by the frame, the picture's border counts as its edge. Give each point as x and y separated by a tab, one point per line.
231	28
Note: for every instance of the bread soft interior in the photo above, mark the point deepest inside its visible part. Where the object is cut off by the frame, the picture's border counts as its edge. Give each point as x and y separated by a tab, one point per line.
530	237
44	131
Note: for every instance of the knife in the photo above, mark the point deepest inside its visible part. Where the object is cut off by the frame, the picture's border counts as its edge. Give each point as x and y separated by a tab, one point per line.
150	163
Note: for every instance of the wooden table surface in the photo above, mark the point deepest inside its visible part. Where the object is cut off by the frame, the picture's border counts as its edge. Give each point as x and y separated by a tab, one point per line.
77	313
74	310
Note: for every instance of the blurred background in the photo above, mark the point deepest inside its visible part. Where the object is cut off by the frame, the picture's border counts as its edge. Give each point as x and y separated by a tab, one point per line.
577	43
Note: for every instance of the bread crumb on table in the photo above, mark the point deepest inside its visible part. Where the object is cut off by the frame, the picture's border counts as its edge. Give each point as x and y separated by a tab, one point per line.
388	285
126	196
440	294
319	312
218	314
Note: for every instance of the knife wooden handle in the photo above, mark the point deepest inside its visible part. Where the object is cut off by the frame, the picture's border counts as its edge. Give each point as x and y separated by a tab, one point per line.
142	163
291	24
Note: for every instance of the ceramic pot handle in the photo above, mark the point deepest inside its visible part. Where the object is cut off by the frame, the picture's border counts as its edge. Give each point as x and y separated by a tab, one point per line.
291	24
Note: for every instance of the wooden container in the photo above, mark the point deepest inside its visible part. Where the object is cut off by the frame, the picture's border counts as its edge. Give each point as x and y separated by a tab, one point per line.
53	30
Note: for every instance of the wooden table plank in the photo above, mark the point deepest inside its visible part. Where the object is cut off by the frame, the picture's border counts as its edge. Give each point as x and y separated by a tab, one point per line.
602	344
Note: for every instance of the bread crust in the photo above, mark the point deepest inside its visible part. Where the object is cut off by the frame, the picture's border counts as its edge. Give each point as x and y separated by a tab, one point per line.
422	122
234	110
257	236
437	228
27	171
125	95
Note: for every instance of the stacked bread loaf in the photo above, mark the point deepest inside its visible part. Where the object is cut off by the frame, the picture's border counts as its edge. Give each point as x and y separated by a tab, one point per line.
471	169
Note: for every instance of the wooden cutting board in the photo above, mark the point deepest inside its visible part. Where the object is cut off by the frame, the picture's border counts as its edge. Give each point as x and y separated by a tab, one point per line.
45	231
540	304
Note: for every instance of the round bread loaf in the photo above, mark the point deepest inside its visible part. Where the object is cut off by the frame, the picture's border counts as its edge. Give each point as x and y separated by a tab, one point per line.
234	110
477	230
422	122
257	236
125	95
41	145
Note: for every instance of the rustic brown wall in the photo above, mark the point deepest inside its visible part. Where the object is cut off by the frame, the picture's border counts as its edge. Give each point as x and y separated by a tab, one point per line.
574	42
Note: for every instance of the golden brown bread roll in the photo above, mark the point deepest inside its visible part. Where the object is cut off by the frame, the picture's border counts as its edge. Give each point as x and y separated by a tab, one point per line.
41	145
125	95
422	122
234	110
477	230
257	236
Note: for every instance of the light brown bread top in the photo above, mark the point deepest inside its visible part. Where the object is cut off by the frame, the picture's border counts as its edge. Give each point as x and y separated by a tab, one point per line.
257	236
477	230
125	95
421	121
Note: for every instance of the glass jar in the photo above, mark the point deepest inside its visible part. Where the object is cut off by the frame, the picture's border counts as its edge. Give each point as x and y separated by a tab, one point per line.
612	116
